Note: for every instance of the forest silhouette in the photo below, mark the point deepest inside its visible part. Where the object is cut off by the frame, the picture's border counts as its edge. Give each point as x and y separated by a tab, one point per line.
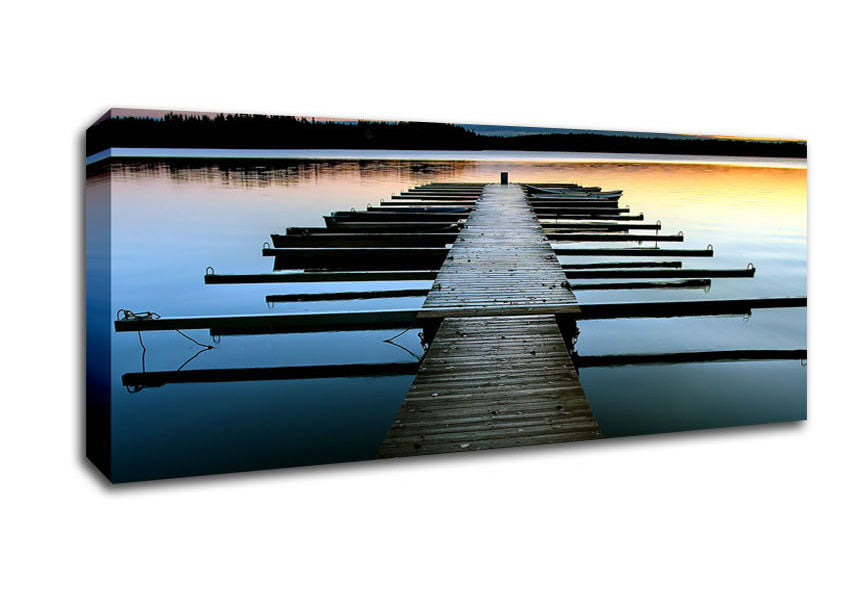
245	131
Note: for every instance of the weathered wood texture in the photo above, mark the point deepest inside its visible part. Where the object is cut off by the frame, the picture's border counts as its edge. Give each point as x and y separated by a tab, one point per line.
500	381
501	257
492	382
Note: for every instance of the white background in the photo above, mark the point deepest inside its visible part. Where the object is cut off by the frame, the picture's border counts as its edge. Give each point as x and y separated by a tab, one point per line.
755	512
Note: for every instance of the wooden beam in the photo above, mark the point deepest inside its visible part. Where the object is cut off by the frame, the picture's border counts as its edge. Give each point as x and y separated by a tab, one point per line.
270	323
434	203
570	251
599	265
448	210
451	185
611	237
593	204
348	258
436	196
396	215
377	226
684	308
554	218
344	295
321	276
311	322
400	319
660	273
682	284
577	196
559	227
564	212
353	240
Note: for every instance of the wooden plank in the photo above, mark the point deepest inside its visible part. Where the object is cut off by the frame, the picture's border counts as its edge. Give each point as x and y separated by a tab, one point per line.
400	319
359	240
377	226
660	274
608	226
594	196
320	276
343	295
601	265
373	214
492	382
563	212
424	203
612	237
501	257
685	308
682	284
372	258
307	322
463	210
436	196
551	218
573	251
591	205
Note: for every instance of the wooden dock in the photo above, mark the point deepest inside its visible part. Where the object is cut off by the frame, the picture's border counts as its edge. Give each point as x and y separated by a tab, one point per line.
495	381
497	322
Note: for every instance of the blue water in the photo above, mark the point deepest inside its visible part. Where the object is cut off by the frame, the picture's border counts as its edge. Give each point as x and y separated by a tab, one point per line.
171	218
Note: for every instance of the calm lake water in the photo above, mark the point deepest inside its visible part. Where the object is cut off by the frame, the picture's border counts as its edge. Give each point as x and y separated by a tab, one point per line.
173	217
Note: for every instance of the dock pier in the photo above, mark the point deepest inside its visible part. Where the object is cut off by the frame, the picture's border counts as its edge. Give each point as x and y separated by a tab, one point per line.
492	380
499	319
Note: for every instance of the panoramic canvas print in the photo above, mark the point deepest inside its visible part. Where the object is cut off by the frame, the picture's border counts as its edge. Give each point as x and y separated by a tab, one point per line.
275	291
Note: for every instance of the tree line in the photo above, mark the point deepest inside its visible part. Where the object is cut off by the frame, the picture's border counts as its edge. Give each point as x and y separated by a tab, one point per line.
242	131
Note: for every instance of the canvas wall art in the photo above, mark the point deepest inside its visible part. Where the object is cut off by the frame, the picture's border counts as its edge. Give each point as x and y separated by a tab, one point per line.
275	291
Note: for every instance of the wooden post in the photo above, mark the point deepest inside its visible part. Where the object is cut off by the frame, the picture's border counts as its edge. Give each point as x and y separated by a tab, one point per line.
504	178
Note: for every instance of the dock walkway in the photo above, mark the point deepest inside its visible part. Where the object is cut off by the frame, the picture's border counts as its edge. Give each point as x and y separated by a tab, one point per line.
505	377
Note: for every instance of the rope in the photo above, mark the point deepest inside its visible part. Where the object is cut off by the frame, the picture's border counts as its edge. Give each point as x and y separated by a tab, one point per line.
203	345
127	314
205	349
391	341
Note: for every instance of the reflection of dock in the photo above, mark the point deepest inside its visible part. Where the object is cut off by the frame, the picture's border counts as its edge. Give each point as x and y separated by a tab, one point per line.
272	373
499	318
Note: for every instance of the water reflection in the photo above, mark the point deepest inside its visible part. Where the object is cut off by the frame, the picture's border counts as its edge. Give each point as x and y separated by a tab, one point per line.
285	173
173	218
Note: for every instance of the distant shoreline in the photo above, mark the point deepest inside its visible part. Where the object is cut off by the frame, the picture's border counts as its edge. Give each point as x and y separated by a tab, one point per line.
504	156
253	132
